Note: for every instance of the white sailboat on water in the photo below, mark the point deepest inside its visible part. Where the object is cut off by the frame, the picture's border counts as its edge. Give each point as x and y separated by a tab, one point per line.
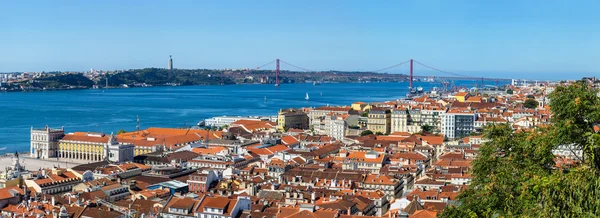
306	96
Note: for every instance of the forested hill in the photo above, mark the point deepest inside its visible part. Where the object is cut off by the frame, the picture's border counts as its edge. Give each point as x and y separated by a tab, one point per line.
159	76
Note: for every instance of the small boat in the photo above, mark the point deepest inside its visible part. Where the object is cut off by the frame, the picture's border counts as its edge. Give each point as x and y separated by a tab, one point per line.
2	149
316	83
276	85
306	96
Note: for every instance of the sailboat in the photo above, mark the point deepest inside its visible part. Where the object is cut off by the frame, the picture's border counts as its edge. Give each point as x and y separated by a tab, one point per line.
306	96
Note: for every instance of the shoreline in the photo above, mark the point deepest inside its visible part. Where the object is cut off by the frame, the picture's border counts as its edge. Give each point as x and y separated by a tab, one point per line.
133	87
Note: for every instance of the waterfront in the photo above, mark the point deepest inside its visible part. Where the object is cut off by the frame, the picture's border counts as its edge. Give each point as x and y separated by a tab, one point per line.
113	109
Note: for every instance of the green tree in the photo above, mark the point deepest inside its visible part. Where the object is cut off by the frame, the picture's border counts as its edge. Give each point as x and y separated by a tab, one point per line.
426	128
365	114
515	174
121	131
378	133
366	132
531	103
509	91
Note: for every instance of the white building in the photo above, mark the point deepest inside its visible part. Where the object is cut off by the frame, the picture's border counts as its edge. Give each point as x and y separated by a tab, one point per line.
44	142
458	124
337	126
119	152
226	120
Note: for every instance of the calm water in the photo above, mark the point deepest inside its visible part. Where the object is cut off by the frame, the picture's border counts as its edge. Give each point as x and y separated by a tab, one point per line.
114	109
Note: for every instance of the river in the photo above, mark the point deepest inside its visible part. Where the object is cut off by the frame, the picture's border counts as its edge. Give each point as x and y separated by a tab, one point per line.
98	110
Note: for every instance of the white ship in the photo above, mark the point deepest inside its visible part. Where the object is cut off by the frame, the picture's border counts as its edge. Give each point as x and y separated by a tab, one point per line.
306	96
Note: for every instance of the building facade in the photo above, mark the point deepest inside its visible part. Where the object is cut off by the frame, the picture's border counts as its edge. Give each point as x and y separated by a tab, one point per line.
221	121
317	116
336	126
44	142
458	124
399	120
54	181
94	147
413	120
379	121
291	118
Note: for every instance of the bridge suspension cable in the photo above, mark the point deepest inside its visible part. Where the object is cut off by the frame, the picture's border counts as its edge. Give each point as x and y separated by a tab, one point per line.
390	67
441	71
297	67
264	65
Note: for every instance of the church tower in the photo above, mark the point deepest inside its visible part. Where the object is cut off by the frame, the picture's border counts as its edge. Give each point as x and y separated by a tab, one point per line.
170	67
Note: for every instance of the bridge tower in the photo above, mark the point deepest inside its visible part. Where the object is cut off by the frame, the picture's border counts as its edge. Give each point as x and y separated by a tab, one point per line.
276	72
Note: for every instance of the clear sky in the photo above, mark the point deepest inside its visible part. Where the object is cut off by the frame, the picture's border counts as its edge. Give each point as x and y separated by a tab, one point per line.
527	39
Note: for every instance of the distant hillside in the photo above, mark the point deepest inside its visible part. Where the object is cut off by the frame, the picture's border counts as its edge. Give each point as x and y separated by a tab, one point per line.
64	81
157	76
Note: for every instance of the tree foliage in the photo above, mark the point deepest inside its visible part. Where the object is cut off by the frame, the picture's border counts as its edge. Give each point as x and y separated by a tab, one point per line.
509	91
65	80
159	76
426	128
531	103
366	132
515	173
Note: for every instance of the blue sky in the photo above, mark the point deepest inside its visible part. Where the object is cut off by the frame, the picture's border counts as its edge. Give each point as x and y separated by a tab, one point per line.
526	39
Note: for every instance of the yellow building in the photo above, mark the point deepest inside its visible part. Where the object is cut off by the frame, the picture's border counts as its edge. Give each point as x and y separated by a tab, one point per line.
360	106
462	96
291	118
379	120
94	147
83	146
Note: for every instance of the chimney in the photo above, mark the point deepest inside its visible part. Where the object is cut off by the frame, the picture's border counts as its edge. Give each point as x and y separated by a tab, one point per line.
53	201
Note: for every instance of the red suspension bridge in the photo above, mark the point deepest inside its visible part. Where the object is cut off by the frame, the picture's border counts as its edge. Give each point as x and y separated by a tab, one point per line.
446	76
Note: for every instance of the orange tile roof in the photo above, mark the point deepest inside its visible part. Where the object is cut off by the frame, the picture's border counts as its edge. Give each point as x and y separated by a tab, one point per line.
289	140
253	125
379	179
6	193
167	136
432	139
423	214
209	150
84	137
361	157
462	94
